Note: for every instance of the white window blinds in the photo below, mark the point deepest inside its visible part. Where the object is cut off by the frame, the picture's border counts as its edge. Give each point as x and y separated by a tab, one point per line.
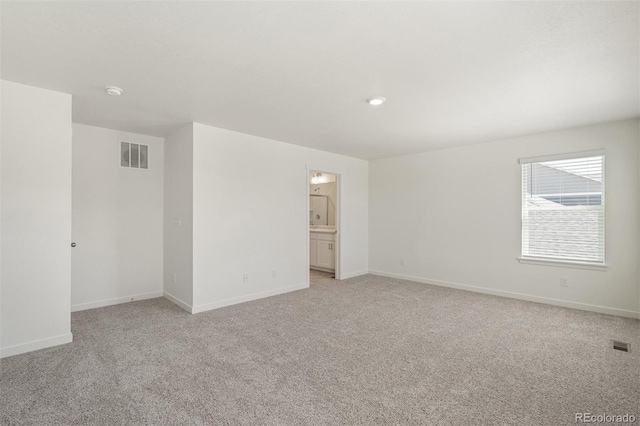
563	208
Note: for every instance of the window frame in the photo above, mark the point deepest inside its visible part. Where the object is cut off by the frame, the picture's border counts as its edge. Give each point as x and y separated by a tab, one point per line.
563	262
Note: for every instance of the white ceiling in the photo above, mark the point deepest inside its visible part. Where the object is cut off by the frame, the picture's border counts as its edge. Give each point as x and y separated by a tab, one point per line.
453	73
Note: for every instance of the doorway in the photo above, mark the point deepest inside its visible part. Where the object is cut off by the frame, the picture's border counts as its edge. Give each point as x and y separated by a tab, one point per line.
324	226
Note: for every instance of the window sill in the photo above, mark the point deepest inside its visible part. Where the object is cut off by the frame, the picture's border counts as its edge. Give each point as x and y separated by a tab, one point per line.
563	263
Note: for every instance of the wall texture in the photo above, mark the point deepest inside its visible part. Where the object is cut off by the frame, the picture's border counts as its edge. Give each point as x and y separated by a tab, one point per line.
117	220
178	217
36	219
250	215
454	215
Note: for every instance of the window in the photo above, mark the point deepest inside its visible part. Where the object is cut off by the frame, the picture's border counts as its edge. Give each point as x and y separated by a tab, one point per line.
563	208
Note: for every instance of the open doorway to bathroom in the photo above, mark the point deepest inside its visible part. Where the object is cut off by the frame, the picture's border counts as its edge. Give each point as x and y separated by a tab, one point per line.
323	227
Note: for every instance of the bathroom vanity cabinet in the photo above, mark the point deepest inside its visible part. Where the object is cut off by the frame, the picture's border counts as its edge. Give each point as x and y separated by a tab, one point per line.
322	250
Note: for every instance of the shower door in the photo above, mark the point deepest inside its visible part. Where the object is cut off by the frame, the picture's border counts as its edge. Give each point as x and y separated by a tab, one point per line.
318	210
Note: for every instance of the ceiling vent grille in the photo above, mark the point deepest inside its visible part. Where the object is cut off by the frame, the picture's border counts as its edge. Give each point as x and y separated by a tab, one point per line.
134	155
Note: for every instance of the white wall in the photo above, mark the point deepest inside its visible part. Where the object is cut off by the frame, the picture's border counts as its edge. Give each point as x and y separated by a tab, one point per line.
36	218
178	217
1	137
251	215
117	220
454	215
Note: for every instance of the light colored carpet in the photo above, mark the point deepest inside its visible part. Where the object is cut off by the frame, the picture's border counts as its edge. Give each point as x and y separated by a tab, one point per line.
363	351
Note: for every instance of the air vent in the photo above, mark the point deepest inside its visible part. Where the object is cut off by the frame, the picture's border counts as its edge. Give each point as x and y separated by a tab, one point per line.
144	157
124	154
134	155
620	346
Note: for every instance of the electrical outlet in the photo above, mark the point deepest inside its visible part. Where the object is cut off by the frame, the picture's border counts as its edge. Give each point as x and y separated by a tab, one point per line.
177	222
564	282
274	273
175	279
245	278
403	262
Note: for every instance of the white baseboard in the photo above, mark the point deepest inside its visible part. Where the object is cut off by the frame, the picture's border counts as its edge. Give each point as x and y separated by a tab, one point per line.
116	301
353	275
36	345
513	295
247	298
170	297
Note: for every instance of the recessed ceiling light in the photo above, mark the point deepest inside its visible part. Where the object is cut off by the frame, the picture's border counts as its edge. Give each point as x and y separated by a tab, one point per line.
376	100
113	90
